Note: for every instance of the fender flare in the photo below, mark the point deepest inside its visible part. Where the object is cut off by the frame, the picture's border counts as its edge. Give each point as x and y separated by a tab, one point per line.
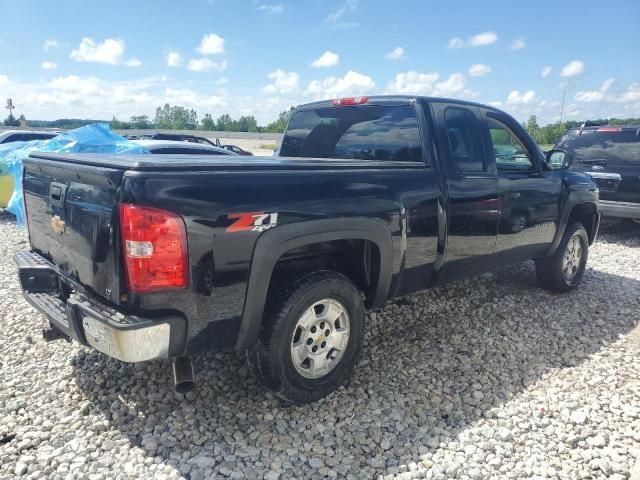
274	243
575	198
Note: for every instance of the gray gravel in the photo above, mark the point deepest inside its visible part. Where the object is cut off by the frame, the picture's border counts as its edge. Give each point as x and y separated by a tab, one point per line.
486	378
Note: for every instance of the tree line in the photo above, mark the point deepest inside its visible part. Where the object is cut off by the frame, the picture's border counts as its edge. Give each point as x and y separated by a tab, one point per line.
175	117
550	134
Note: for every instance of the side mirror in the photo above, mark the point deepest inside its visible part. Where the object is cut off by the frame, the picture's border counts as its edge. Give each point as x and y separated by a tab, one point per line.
558	159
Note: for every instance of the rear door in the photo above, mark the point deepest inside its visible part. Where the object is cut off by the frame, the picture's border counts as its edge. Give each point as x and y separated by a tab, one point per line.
529	196
472	190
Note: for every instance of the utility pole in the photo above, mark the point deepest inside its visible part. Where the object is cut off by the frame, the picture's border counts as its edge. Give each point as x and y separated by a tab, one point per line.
564	94
10	106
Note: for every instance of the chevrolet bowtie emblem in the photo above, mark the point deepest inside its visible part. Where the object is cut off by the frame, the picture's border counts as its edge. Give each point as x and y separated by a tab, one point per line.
58	225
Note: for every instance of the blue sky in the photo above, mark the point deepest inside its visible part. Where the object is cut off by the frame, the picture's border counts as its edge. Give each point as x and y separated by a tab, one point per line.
66	59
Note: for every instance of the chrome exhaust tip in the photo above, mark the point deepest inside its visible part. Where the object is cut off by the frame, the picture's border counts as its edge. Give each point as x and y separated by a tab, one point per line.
183	377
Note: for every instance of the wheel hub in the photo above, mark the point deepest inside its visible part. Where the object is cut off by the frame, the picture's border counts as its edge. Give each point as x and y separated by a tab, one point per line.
572	258
320	338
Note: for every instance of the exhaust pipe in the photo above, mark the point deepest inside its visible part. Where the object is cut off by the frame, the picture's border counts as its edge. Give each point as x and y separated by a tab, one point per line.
183	374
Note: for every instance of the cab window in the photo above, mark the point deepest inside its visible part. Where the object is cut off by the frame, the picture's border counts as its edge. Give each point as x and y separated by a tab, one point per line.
465	143
510	153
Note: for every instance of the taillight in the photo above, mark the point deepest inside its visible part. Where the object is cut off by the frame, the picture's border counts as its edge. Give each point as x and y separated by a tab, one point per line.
609	129
154	249
338	102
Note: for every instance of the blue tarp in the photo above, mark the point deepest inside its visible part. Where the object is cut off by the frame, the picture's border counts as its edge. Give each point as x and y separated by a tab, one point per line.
94	138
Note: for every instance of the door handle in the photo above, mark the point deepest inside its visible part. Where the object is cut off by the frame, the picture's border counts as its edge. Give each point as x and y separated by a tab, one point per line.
57	193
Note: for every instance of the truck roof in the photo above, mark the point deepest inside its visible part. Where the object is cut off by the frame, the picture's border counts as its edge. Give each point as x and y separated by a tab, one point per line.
396	100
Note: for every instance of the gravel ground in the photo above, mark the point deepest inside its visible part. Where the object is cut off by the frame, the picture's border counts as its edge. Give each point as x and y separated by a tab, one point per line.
486	378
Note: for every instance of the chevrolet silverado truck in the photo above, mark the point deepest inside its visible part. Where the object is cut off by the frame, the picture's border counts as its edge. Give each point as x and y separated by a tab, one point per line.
147	257
611	156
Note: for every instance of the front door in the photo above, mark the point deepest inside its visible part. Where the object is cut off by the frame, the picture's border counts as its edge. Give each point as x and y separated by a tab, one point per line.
529	194
472	187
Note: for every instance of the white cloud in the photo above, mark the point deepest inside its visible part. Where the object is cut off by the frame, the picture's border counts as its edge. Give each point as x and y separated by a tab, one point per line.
573	68
192	99
270	9
479	70
110	51
49	44
282	82
484	38
211	44
395	54
546	71
353	83
173	59
4	80
594	95
413	83
327	59
49	65
518	44
632	94
456	42
133	62
524	98
334	17
204	64
416	83
479	40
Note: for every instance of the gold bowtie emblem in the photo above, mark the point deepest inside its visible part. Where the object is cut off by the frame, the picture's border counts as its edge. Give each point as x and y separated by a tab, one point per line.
58	225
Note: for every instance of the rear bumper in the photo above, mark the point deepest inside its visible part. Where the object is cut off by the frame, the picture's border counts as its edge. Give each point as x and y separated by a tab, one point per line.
609	208
129	338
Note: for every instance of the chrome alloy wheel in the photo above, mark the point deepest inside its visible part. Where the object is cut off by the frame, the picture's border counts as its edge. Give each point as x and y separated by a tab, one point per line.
572	258
320	338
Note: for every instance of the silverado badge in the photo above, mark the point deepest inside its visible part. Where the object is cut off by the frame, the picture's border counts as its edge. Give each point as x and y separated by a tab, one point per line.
58	225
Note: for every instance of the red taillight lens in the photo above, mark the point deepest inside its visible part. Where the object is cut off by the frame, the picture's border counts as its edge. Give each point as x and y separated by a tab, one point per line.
609	129
338	102
154	249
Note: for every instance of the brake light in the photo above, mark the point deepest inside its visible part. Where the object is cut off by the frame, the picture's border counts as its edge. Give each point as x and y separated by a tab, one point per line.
338	102
609	129
154	249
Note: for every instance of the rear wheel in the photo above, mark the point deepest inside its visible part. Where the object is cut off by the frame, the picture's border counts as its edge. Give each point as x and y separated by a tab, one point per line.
311	338
563	270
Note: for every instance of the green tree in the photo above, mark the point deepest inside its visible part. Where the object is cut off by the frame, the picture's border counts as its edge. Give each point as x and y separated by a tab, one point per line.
224	123
280	124
247	124
208	123
11	121
175	118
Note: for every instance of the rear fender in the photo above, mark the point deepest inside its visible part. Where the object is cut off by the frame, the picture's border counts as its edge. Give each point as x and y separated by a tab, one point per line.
274	243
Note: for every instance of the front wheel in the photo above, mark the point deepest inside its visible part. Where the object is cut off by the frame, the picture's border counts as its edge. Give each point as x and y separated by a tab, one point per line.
311	337
563	270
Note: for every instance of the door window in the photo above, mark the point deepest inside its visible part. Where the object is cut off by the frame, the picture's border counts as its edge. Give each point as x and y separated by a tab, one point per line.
465	144
510	153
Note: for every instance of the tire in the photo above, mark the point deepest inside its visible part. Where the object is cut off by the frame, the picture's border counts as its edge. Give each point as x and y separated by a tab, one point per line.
563	271
292	328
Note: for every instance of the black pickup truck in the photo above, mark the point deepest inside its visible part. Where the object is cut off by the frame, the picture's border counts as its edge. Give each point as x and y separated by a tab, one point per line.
146	257
611	156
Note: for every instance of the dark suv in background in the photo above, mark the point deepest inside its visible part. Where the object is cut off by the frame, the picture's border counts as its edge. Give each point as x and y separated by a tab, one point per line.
611	155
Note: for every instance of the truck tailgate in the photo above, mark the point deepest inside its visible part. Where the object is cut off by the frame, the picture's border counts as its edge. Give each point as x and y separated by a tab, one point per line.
71	212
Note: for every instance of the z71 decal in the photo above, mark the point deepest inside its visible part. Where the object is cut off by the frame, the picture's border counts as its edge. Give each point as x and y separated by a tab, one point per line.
253	221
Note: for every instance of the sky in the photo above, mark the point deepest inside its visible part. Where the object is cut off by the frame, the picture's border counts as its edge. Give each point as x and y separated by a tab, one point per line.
73	59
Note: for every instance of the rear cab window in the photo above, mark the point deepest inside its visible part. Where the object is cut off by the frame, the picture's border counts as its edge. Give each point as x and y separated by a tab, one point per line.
618	146
365	132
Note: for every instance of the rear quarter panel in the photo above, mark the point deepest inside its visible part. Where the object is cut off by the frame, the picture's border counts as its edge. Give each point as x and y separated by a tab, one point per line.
405	198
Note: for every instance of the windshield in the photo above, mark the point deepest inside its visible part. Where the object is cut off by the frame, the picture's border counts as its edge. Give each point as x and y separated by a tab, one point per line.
617	147
367	132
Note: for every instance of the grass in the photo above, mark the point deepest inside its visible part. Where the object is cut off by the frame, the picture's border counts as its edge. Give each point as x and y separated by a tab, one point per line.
267	146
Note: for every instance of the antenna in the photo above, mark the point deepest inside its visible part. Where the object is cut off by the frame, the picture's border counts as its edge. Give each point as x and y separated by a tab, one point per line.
564	94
